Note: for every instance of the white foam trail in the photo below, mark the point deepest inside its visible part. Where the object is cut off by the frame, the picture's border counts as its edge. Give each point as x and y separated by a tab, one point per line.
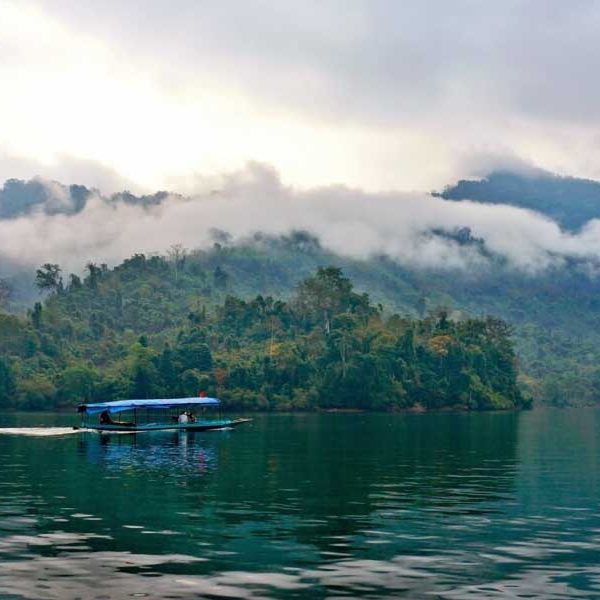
38	431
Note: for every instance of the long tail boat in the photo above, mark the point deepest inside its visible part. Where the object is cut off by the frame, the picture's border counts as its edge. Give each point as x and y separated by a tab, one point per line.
154	415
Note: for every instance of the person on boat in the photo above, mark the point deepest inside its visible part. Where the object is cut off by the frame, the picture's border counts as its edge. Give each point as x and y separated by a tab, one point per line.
105	418
191	416
183	418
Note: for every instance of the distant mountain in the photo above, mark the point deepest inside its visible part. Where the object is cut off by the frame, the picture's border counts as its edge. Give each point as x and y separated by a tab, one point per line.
570	201
20	198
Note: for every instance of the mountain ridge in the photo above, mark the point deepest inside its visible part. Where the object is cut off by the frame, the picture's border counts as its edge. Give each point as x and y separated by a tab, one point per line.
570	201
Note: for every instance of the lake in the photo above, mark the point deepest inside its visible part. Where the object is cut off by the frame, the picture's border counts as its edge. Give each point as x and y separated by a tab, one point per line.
306	506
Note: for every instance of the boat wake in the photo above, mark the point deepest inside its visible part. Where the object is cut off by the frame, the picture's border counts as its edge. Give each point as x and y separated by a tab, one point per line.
38	431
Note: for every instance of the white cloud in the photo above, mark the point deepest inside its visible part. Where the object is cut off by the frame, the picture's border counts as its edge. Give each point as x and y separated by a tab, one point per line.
348	221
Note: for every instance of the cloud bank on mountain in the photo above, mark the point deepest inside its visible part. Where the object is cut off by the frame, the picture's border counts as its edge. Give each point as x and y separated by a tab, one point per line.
416	230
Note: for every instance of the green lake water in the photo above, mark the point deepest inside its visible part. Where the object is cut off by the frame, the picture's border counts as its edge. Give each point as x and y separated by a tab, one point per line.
306	506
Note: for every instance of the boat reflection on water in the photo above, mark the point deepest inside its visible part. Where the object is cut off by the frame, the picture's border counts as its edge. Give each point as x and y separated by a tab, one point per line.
170	452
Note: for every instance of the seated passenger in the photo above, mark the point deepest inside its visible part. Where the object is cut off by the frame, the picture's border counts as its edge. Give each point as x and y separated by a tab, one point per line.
183	418
105	418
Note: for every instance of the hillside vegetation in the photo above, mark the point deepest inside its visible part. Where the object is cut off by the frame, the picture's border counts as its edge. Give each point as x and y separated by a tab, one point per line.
156	327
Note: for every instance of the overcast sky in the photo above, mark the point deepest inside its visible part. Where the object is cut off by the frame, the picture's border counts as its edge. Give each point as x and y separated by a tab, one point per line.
376	94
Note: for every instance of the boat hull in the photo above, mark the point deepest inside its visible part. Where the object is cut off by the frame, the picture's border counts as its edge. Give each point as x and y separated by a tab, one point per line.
204	425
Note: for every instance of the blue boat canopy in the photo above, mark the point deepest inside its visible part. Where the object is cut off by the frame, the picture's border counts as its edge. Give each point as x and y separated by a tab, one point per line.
123	405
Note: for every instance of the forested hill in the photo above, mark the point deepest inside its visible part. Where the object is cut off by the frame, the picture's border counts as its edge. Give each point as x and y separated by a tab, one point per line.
555	314
570	201
156	328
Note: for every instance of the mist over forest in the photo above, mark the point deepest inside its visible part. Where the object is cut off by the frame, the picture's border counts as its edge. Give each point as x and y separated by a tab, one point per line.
520	246
529	223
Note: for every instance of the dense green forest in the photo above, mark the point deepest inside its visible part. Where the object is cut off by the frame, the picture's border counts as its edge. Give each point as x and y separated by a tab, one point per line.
555	314
169	326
